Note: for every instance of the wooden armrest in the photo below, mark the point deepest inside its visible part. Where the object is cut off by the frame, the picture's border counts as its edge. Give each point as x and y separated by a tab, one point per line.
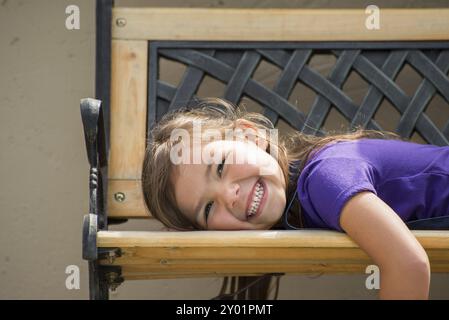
152	255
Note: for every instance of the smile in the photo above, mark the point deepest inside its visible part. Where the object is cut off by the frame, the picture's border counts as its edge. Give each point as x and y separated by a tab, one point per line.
255	200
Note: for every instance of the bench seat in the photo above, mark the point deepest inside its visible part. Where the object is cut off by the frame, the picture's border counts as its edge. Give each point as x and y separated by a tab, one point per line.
162	254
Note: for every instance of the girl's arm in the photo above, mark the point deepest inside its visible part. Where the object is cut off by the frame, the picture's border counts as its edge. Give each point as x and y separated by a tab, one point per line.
378	230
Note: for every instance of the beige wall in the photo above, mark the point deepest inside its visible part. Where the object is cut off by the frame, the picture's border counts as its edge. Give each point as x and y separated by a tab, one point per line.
44	71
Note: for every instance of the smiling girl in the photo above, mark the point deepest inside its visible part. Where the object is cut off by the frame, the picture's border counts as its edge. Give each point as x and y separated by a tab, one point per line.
366	183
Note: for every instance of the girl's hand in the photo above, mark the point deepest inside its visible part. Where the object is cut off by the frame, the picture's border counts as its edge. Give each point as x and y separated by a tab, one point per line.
380	232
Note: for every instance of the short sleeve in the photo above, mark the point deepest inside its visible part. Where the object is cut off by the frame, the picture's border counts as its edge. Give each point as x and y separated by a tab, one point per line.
327	184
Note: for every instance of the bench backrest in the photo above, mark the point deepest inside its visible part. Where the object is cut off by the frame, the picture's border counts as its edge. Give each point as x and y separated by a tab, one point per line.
228	45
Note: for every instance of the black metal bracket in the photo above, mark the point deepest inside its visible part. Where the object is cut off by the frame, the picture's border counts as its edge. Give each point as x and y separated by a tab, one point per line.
90	228
98	290
109	254
112	276
115	221
102	278
95	117
90	115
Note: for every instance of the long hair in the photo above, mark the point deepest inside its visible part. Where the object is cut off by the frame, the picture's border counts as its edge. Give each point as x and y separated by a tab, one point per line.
216	113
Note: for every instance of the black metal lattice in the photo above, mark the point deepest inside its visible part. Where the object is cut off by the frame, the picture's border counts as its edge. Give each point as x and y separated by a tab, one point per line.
377	63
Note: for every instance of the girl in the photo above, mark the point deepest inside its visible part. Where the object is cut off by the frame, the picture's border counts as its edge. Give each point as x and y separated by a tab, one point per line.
365	183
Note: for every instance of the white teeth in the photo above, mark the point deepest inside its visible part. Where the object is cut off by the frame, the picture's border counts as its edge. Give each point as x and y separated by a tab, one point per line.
256	200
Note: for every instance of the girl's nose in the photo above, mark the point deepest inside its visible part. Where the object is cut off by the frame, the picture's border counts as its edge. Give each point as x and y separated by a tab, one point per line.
231	195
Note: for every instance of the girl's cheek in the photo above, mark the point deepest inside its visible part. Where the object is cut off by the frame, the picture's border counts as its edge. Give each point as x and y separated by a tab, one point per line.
223	221
244	170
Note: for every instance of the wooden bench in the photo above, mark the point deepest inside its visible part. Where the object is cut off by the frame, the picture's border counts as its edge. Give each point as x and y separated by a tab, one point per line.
227	45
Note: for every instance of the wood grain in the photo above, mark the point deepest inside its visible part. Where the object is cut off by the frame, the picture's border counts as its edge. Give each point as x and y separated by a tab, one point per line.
232	24
153	255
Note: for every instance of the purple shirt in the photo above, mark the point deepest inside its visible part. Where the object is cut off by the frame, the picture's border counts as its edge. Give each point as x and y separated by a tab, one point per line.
412	178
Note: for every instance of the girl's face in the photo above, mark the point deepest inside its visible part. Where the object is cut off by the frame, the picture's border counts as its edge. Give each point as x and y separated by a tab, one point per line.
244	189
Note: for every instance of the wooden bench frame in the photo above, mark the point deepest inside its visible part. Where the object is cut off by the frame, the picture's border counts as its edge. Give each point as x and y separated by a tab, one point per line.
115	152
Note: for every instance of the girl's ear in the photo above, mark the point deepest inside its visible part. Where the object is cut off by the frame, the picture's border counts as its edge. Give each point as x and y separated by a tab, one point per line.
252	133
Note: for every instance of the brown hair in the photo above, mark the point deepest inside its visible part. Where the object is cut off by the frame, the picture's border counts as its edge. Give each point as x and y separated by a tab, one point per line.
216	113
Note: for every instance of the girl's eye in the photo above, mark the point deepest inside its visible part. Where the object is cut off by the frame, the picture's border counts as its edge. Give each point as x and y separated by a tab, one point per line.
207	210
209	205
220	167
